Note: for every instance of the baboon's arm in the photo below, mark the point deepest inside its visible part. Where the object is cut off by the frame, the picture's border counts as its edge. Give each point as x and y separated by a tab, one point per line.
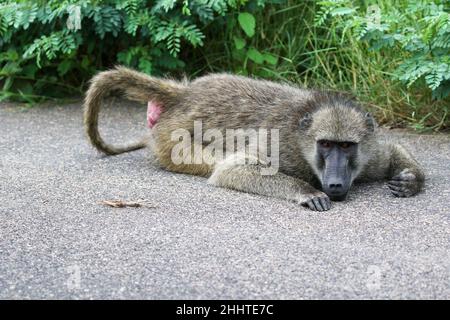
406	176
249	178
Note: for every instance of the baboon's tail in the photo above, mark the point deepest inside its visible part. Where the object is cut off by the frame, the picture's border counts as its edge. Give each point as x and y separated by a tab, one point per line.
135	86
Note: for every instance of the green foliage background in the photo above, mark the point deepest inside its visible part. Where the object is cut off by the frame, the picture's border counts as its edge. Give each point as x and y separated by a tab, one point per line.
394	55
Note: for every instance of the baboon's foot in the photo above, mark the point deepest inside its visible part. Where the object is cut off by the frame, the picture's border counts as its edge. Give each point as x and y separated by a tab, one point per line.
405	184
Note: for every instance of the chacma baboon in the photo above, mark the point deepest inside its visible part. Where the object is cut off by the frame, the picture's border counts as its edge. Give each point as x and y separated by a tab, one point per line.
326	141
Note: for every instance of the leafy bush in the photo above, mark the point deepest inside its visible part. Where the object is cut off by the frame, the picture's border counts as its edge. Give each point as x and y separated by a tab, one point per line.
420	33
51	48
394	56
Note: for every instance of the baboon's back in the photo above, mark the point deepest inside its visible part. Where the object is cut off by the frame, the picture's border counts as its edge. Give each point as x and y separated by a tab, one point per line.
223	100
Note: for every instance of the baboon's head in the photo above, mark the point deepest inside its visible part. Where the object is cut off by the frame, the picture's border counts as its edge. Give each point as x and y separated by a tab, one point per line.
336	139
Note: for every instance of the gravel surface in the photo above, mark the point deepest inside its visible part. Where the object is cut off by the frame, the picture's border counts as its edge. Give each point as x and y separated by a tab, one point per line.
58	241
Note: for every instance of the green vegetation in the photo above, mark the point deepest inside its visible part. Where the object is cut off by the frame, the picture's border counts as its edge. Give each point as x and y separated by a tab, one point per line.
393	55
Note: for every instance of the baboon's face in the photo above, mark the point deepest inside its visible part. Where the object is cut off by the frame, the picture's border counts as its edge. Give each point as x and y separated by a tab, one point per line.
335	141
336	162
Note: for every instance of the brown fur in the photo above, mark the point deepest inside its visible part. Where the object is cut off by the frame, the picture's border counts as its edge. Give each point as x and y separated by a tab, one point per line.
225	101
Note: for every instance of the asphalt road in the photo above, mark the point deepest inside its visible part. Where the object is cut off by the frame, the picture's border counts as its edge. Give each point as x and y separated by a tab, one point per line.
200	242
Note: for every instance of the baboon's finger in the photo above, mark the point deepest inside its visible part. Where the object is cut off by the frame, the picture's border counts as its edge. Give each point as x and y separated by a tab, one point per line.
317	204
324	203
311	205
395	187
398	182
399	194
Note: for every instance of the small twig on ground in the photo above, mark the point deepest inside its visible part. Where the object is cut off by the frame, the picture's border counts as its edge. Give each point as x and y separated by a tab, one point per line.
123	204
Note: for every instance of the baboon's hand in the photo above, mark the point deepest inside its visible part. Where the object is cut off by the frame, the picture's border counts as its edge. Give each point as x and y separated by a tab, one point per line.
405	184
317	201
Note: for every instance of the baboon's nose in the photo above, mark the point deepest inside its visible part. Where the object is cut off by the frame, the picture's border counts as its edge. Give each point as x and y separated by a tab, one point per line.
336	191
335	186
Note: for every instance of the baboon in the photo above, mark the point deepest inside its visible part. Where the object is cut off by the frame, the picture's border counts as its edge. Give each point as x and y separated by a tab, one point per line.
326	140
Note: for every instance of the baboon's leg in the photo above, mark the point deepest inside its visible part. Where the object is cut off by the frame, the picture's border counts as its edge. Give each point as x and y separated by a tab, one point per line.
405	174
163	153
232	173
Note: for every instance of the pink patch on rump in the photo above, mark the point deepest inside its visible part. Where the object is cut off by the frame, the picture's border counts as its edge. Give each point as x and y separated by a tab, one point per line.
154	110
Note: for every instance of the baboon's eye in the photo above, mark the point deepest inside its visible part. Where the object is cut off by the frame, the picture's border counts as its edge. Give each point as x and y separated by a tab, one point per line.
345	145
325	144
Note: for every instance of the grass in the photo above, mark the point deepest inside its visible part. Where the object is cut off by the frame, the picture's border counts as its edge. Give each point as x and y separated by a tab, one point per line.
322	58
311	56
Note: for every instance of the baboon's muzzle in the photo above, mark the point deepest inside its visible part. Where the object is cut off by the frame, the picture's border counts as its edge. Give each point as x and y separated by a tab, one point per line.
336	177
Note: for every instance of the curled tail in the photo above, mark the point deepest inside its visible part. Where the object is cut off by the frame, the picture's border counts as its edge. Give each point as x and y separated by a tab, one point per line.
135	86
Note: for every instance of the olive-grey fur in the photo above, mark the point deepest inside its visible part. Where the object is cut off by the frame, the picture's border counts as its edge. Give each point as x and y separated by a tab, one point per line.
223	101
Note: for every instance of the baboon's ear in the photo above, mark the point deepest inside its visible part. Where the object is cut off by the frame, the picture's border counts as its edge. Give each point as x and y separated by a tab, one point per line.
306	121
370	122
